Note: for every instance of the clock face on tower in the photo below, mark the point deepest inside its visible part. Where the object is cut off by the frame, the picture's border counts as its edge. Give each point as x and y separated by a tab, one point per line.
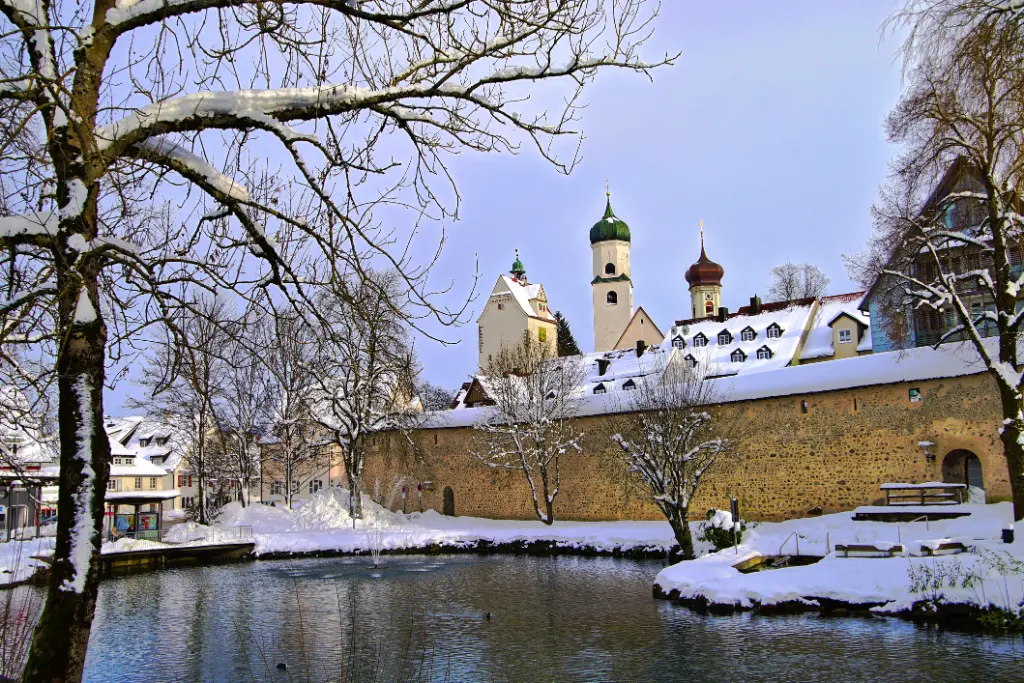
707	296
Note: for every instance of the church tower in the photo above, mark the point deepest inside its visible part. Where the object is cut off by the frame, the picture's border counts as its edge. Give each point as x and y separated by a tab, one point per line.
705	279
613	290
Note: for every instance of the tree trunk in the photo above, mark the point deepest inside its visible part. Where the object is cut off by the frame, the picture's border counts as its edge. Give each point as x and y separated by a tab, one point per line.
1013	430
62	635
549	505
677	519
355	499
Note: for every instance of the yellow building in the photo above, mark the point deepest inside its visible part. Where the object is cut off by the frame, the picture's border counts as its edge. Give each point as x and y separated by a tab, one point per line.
515	308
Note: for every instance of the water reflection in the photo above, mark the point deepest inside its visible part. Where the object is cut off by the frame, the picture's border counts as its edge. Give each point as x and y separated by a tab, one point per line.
500	618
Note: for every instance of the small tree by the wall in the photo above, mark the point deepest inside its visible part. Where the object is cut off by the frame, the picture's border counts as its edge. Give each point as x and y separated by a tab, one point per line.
530	426
671	442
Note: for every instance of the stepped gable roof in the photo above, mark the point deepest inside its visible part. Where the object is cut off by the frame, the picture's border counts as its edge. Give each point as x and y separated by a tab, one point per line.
704	271
610	227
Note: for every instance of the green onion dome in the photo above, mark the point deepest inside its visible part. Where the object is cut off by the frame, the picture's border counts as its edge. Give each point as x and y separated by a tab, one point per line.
610	227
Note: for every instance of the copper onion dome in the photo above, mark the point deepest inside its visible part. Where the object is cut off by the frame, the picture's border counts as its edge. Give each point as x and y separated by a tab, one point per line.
704	271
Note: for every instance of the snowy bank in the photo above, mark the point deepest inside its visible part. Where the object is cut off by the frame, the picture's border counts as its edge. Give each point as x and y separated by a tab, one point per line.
889	584
322	525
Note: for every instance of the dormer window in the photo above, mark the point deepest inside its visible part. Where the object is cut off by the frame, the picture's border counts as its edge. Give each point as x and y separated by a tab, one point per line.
613	298
609	269
738	356
748	334
161	441
629	385
700	340
143	442
774	331
845	336
600	389
764	353
724	337
678	343
550	395
691	362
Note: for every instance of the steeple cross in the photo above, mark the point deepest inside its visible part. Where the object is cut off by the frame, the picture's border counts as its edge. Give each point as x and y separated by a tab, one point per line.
607	189
702	233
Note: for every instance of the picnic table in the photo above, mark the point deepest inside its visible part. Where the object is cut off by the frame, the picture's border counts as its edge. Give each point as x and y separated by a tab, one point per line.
928	493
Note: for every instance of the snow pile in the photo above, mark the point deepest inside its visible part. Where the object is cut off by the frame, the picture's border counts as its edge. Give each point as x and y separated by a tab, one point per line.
722	519
16	563
188	531
328	509
885	581
123	545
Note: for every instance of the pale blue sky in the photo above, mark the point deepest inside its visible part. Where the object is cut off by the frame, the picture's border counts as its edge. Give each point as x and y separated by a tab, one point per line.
769	128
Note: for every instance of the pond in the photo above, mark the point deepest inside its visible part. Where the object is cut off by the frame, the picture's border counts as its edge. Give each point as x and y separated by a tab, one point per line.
494	618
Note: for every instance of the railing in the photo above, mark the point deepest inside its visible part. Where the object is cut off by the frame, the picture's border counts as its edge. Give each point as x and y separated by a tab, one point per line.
792	535
899	536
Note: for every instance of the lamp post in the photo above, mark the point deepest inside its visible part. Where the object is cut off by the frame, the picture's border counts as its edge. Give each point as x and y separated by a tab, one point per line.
927	446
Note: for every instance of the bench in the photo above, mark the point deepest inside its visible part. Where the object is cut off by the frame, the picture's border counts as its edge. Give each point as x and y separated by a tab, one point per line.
928	493
868	550
941	547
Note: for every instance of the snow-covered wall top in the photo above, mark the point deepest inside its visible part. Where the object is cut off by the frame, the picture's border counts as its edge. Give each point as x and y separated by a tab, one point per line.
950	360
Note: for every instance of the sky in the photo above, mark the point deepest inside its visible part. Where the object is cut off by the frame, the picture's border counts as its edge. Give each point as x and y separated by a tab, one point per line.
769	128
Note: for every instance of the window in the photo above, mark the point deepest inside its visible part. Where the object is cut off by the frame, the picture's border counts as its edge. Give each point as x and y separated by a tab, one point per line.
501	307
764	353
609	269
691	362
774	331
112	485
748	334
143	442
138	482
629	385
803	406
700	340
480	334
315	485
542	334
678	343
181	480
724	337
613	298
152	482
161	441
709	308
845	336
277	488
117	461
550	396
856	405
738	356
600	389
915	395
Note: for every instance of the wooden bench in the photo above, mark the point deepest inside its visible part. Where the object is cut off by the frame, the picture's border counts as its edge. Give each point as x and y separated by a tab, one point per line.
868	550
948	548
929	493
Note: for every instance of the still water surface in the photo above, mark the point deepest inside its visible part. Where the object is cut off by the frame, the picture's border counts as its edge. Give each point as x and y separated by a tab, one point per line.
551	619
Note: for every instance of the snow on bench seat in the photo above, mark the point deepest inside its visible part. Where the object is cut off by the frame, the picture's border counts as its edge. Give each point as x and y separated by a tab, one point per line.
876	549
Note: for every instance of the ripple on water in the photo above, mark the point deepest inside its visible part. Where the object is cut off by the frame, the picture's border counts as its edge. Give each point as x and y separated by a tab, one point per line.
561	618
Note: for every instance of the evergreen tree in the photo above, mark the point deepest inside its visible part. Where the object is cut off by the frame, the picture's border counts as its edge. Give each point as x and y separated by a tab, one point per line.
566	342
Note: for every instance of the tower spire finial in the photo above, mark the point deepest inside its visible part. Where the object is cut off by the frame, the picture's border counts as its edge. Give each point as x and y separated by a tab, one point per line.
702	235
607	190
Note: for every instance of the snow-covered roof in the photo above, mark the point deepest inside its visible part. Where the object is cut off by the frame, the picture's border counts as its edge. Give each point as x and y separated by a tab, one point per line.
522	294
819	342
721	359
949	360
148	495
139	468
136	429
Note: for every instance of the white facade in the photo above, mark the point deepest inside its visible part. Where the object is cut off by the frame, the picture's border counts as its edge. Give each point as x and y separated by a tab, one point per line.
612	292
515	308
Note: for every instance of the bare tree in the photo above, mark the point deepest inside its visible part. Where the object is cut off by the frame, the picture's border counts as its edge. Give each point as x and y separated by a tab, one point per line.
363	374
295	448
110	104
945	257
530	426
185	385
671	442
434	397
792	281
245	408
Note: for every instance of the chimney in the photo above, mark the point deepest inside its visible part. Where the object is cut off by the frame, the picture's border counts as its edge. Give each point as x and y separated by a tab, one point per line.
602	366
641	346
723	314
755	305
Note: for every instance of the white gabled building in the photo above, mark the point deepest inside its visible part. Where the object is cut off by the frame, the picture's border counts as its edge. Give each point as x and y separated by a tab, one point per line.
516	307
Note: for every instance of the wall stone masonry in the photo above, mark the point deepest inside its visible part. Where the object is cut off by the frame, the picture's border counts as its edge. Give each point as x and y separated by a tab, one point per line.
829	450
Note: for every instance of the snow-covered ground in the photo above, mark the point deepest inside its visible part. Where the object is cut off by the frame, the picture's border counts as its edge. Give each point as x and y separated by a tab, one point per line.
887	581
323	524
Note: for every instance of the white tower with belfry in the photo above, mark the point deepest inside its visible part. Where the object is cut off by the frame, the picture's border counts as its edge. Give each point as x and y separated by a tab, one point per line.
611	284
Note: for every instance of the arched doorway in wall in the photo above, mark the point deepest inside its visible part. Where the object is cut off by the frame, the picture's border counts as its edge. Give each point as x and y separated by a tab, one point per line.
961	466
448	506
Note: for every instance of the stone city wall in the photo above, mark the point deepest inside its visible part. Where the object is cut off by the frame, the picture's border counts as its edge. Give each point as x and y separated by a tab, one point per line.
828	450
